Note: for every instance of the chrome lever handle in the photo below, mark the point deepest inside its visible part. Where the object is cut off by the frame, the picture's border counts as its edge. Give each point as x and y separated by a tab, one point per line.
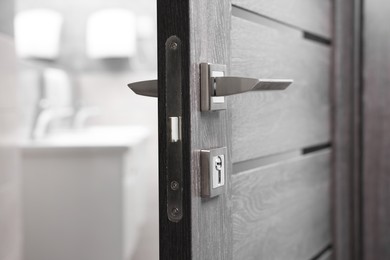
145	88
226	86
215	86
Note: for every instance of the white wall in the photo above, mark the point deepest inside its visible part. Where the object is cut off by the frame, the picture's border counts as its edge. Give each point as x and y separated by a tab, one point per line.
6	16
10	222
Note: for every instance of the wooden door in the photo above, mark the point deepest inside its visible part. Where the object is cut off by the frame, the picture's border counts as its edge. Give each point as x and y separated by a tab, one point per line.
275	202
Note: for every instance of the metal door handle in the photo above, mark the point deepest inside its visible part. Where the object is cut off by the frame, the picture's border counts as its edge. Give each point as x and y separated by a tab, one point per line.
215	85
226	86
145	88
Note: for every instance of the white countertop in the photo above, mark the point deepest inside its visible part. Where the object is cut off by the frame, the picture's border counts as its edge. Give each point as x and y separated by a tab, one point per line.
92	137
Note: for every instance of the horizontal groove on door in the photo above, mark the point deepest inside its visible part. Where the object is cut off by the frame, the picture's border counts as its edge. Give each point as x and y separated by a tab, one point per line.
316	38
313	16
316	148
276	158
264	161
282	211
266	21
325	254
272	122
289	29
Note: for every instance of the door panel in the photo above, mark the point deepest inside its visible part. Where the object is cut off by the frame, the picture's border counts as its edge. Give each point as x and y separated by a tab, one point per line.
310	15
271	122
276	203
282	211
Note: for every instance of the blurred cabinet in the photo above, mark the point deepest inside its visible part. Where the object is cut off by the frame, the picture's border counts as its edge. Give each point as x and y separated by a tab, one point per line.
84	194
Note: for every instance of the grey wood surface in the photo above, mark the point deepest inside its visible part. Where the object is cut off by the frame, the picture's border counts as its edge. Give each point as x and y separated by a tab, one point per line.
266	199
328	255
211	219
282	211
268	122
310	15
376	131
346	228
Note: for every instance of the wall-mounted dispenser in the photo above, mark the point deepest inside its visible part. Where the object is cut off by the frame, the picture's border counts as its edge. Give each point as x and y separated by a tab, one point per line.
111	33
38	33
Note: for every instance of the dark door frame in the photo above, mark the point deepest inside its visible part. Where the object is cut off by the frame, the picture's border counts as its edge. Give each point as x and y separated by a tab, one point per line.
347	130
173	19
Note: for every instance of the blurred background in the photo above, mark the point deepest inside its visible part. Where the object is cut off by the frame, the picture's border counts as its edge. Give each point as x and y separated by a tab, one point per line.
78	149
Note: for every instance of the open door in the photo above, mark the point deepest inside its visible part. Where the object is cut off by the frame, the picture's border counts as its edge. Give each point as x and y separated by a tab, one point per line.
244	129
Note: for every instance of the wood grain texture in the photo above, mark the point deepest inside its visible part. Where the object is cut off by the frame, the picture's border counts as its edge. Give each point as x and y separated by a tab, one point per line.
205	230
207	233
328	255
310	15
272	122
376	131
282	211
211	219
346	132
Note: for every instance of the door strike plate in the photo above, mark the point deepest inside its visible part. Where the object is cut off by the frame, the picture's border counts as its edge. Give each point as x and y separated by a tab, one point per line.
208	101
213	172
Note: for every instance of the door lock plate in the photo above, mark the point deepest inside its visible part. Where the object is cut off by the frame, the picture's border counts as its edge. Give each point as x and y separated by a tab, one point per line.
213	170
174	142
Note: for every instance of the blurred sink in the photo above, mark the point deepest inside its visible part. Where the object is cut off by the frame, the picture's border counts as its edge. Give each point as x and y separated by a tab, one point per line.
84	193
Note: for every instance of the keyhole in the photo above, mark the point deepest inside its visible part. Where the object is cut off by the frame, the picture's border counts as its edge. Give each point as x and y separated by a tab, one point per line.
218	167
